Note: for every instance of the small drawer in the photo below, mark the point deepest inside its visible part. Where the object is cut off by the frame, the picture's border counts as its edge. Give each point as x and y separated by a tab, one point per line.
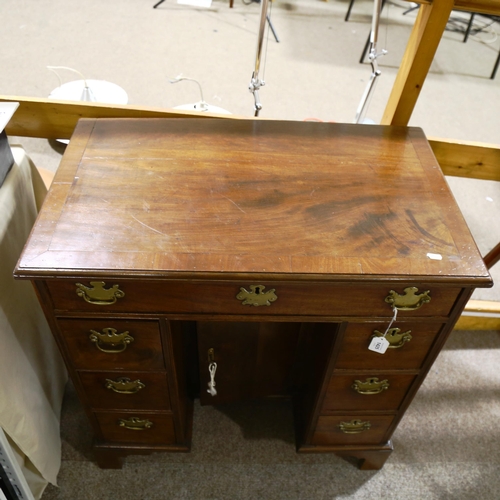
273	298
377	391
109	344
126	391
351	429
410	343
139	428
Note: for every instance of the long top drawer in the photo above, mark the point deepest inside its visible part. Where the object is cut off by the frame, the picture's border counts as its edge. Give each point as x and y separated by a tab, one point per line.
243	298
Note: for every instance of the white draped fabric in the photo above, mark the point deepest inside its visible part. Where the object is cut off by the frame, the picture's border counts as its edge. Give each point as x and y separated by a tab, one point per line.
32	374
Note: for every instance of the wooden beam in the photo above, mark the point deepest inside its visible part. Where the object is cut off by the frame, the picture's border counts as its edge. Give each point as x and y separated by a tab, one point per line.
51	119
467	159
480	315
492	257
477	323
422	45
483	306
480	6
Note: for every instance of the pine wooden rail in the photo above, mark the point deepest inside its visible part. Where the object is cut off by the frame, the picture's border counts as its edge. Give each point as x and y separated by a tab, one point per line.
51	119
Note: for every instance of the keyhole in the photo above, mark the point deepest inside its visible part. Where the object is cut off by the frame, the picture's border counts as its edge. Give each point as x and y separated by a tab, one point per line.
257	290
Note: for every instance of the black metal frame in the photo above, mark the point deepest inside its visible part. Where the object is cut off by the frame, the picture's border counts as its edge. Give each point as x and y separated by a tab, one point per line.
466	36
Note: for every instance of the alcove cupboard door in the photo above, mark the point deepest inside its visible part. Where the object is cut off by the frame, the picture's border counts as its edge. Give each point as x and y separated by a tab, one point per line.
258	364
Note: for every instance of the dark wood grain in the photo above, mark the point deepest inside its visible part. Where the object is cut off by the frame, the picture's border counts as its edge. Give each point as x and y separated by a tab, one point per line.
251	196
257	365
179	343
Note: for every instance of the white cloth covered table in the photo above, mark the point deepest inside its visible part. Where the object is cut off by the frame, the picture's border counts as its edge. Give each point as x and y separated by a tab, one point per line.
32	373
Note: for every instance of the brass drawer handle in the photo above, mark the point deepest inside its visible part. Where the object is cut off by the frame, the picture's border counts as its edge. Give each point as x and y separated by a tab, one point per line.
135	423
354	426
97	294
370	386
410	300
117	342
256	296
124	385
394	336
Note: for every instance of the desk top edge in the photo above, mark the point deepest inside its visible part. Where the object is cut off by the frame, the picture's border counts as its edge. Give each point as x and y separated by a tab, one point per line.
35	262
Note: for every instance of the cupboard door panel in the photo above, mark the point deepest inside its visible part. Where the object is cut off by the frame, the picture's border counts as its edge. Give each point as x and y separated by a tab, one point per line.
254	360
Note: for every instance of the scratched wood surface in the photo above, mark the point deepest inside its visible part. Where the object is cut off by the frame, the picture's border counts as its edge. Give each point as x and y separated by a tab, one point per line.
166	196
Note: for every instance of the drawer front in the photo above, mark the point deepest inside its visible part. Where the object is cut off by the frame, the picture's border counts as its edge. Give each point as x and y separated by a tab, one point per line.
378	391
139	428
274	298
109	344
127	390
351	429
410	343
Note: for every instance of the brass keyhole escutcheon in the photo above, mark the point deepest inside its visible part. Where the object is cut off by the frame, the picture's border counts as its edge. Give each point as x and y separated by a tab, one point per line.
256	296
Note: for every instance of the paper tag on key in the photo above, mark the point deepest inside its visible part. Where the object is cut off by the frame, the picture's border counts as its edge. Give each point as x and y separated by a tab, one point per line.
379	344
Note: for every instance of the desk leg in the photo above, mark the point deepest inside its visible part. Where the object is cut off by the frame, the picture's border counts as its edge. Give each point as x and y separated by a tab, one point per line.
369	459
107	458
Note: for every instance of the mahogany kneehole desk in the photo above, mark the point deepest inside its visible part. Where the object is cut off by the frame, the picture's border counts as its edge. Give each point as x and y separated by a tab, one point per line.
277	250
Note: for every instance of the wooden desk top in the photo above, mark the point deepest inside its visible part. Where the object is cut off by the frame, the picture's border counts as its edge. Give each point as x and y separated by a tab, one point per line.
189	198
